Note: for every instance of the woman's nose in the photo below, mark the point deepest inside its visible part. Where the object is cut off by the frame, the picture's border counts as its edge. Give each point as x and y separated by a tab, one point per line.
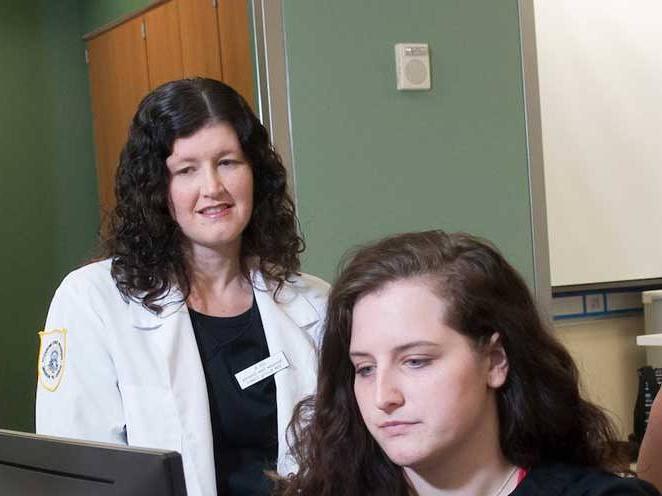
388	395
212	182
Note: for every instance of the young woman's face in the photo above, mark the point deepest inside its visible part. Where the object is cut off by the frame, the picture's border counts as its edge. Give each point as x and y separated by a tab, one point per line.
425	393
211	188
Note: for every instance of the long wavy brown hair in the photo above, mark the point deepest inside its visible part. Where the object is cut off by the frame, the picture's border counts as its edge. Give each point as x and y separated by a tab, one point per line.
542	417
141	236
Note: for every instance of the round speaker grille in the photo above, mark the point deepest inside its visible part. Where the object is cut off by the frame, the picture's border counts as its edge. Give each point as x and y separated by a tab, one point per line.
415	71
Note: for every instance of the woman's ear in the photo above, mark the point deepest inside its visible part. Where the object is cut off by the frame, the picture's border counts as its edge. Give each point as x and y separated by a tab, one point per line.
498	362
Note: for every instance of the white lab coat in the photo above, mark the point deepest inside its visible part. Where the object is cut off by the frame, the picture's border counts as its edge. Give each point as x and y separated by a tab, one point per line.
132	377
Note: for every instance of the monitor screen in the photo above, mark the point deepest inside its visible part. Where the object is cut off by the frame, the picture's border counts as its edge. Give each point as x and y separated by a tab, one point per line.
36	465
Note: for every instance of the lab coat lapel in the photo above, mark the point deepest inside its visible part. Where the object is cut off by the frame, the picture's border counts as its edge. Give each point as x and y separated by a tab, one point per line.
285	321
187	380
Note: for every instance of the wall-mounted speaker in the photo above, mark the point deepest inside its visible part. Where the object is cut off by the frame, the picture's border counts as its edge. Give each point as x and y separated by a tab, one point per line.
412	66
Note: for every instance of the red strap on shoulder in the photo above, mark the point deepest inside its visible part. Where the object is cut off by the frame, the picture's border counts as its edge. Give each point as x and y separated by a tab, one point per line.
521	473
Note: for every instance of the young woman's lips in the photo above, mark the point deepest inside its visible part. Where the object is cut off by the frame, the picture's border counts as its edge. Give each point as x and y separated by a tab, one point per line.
397	427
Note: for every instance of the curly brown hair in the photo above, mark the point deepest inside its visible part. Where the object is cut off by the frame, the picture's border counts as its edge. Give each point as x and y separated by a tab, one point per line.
542	416
142	238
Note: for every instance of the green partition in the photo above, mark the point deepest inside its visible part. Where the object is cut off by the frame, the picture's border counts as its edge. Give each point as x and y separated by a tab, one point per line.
370	160
48	196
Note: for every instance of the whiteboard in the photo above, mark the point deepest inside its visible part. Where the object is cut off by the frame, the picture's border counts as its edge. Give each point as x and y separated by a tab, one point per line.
600	77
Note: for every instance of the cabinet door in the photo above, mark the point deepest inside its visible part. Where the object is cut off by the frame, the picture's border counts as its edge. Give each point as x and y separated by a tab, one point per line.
233	26
198	25
164	49
118	81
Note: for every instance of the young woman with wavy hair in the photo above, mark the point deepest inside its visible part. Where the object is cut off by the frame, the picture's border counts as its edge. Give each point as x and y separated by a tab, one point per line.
438	377
162	342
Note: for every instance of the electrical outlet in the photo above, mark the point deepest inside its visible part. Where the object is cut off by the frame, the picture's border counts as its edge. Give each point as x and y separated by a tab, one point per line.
595	303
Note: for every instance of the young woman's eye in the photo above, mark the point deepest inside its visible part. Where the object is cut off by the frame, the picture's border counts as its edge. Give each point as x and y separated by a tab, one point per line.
184	171
364	370
417	362
226	161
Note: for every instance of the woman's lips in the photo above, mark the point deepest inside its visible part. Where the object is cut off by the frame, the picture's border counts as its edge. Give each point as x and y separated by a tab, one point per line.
397	427
215	211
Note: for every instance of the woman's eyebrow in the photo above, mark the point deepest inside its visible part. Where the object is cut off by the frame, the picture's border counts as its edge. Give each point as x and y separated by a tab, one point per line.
223	152
398	349
414	344
359	354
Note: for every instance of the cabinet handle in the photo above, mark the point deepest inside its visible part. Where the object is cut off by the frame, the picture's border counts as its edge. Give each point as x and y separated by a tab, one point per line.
143	30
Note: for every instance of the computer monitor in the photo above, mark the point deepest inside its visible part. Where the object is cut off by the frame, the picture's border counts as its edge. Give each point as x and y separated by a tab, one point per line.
35	465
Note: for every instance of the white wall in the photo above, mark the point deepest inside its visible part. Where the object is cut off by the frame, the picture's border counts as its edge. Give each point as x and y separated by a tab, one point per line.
600	69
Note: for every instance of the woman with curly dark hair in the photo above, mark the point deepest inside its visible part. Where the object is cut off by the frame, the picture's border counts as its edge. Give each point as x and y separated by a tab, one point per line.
437	377
196	332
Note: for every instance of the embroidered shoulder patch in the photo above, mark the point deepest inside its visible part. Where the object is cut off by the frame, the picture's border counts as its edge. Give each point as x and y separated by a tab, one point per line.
52	355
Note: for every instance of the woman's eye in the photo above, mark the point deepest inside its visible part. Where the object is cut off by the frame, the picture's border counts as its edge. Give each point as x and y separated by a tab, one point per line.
417	363
226	162
184	171
364	370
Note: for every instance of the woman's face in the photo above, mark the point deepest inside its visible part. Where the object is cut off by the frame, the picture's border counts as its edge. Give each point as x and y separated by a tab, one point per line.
211	189
424	392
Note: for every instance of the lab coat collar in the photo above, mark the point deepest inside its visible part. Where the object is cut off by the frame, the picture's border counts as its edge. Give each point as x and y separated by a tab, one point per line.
288	300
300	310
144	318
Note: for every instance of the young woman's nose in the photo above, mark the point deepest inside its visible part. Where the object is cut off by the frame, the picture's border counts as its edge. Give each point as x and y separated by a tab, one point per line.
388	395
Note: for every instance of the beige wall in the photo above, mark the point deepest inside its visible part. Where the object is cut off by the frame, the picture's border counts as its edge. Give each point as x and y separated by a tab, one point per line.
608	358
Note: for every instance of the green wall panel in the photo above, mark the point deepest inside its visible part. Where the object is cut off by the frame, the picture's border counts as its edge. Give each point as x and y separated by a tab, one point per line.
371	160
48	191
75	179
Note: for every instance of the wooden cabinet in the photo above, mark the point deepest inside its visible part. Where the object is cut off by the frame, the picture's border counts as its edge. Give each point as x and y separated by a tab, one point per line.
234	38
162	44
118	81
201	52
168	40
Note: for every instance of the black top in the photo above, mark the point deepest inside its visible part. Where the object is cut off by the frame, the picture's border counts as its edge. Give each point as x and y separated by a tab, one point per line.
568	480
244	423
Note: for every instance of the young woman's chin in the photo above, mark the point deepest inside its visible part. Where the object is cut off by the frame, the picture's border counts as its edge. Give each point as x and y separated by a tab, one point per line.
411	458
